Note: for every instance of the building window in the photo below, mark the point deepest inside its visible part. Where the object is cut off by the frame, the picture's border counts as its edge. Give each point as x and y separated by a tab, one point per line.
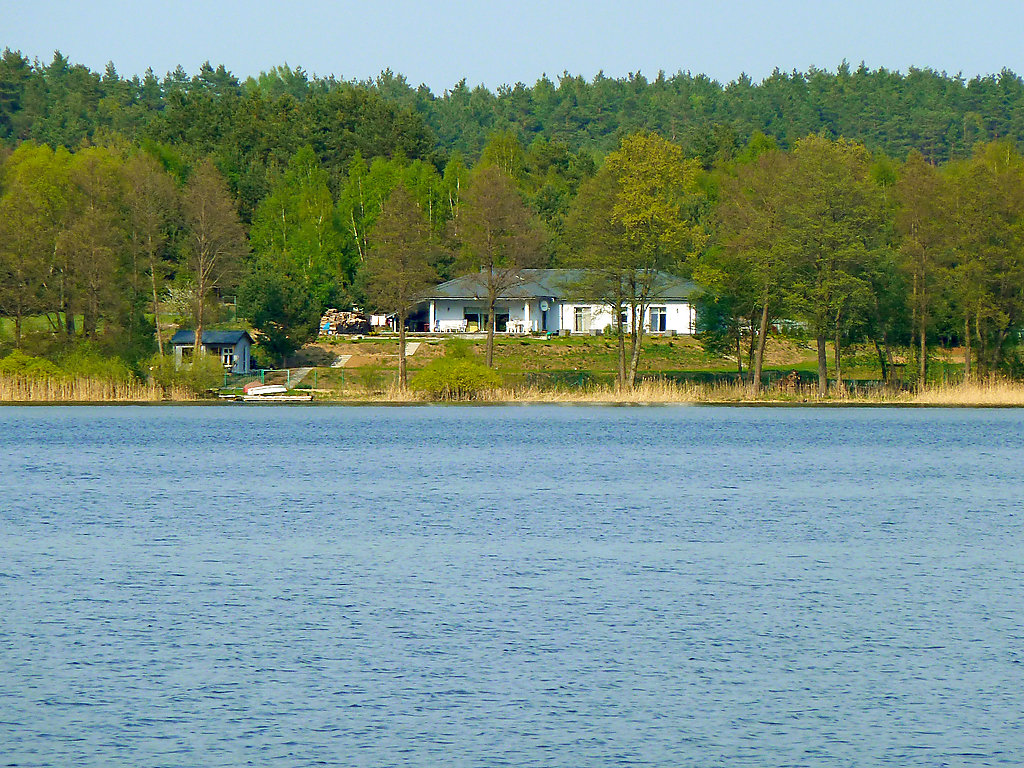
659	318
227	357
582	320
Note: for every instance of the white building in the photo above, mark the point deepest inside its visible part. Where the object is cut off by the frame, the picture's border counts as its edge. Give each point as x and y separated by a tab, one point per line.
548	300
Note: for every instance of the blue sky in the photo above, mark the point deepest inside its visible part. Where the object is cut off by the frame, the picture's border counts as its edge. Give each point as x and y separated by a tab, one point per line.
440	42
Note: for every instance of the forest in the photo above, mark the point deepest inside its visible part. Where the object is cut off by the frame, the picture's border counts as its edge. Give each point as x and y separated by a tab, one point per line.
858	207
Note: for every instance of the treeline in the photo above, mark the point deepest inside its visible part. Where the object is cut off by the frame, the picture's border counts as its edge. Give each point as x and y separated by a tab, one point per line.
859	206
859	248
89	239
253	126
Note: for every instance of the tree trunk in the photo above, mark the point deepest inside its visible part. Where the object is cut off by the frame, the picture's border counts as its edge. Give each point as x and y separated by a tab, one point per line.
489	358
997	349
89	319
156	300
822	366
922	363
967	347
198	345
69	316
981	342
17	331
634	358
838	355
888	356
762	341
622	353
751	349
402	382
882	362
739	351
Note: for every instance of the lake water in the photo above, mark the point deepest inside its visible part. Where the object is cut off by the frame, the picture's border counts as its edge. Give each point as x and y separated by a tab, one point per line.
511	586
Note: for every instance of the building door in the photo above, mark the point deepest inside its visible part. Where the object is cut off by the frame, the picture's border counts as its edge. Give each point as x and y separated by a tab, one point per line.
659	319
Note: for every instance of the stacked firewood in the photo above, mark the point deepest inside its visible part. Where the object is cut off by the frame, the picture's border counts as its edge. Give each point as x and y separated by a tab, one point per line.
336	321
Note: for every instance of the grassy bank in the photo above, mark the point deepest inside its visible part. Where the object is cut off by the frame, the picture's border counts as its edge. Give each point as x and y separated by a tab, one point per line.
530	370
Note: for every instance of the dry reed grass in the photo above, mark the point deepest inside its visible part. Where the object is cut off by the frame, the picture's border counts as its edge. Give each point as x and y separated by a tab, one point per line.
991	393
28	389
644	392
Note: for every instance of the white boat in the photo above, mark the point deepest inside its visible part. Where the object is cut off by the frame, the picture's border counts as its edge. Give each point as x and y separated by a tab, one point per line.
277	398
261	390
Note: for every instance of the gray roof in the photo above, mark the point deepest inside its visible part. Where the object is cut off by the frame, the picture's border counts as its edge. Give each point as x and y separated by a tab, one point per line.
212	338
546	283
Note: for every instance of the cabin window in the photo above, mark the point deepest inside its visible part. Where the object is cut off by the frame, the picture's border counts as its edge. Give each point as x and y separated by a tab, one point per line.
227	357
658	319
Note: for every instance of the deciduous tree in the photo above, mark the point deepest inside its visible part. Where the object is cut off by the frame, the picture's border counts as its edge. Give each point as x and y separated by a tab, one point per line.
398	267
215	242
499	238
647	199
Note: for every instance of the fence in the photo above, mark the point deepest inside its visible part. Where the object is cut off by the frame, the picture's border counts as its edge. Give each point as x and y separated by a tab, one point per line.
263	376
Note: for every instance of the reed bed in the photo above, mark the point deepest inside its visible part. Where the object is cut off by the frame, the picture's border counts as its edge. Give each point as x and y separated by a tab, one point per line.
989	393
997	392
644	392
30	389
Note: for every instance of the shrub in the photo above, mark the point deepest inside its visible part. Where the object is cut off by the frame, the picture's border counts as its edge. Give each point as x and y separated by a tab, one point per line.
454	378
460	349
85	362
18	363
206	374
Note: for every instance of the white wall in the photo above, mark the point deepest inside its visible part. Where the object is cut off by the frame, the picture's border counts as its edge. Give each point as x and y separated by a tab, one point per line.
680	316
448	311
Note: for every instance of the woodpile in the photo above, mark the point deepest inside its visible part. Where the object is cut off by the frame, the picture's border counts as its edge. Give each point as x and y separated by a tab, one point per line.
335	322
790	383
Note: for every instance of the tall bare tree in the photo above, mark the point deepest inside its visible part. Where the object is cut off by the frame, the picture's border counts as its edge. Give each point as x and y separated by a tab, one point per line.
152	210
23	258
93	241
215	241
920	222
749	266
398	267
499	238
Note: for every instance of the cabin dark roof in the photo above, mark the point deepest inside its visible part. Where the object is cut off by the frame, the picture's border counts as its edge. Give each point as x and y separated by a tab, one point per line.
545	283
185	338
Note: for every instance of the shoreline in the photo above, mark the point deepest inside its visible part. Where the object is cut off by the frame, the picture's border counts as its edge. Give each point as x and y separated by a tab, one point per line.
568	403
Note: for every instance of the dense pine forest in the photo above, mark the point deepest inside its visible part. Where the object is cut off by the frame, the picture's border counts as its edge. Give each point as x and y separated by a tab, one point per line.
861	207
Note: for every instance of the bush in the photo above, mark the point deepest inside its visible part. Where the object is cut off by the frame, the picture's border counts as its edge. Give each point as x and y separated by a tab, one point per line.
87	363
460	349
199	377
454	378
18	363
